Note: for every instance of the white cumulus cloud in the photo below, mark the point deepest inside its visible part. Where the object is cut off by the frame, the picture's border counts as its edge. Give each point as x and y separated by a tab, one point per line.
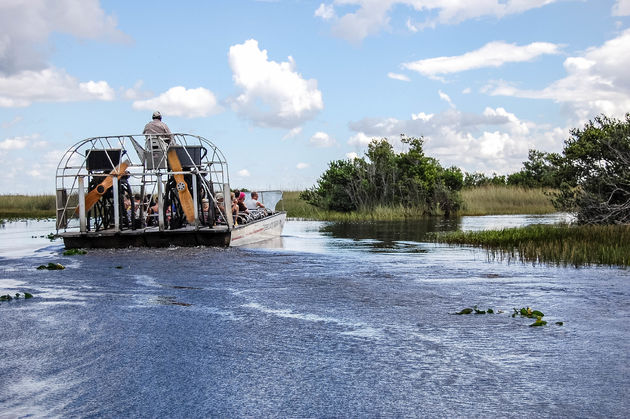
274	94
493	54
301	166
243	173
326	12
359	140
179	101
49	85
321	139
15	143
27	26
495	140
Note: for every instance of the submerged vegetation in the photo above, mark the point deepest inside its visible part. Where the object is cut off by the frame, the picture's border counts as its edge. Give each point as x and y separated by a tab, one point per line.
551	244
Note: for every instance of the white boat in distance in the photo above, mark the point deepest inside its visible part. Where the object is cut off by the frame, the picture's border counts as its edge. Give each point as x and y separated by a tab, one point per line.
154	190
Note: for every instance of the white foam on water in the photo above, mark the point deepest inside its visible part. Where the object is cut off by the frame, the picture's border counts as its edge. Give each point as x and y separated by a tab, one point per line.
357	329
365	332
146	281
9	284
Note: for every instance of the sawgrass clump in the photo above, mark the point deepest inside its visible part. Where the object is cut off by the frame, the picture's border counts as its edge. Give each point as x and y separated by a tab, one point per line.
560	244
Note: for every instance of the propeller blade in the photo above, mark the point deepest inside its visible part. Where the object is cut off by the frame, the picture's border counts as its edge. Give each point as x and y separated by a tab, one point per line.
185	198
95	194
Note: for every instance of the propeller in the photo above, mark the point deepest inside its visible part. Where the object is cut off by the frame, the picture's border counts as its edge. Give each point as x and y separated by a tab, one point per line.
185	198
95	194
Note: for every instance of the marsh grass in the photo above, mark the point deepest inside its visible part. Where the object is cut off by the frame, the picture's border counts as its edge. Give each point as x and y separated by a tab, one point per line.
484	200
551	244
487	200
297	208
27	206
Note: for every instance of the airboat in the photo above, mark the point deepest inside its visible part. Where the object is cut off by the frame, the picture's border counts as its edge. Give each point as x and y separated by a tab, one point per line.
154	191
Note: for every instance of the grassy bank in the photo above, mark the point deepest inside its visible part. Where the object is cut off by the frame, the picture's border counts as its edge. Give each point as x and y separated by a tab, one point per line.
297	208
552	244
27	206
487	200
476	201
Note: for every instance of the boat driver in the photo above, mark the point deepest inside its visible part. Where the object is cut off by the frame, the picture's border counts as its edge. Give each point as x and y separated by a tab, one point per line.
157	127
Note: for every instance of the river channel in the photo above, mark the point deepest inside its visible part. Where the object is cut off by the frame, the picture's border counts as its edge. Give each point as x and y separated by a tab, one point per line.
329	320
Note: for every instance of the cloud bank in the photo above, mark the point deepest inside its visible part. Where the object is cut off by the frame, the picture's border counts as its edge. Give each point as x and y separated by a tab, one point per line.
596	82
371	16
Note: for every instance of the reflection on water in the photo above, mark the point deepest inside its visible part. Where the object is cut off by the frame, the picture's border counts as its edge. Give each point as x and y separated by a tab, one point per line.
406	236
330	320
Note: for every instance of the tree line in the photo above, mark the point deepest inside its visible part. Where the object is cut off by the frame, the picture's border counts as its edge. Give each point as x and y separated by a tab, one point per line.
591	177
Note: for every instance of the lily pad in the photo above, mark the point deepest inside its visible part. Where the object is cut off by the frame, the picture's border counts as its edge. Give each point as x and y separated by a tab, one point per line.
539	322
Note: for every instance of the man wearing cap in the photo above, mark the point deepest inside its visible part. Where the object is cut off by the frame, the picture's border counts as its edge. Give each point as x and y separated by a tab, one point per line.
156	126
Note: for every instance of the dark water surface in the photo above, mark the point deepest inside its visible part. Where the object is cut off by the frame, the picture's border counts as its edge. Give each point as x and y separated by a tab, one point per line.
328	321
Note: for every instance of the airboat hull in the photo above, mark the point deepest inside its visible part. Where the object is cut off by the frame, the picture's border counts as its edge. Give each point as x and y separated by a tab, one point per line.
253	232
218	236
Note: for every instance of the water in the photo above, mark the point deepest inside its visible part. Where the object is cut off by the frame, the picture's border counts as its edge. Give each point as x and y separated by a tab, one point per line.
331	320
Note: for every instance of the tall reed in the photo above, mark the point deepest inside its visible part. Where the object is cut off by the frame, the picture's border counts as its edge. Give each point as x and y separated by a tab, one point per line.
297	208
492	199
27	206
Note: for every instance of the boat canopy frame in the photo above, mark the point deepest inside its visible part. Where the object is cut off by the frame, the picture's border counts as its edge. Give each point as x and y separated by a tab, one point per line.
142	160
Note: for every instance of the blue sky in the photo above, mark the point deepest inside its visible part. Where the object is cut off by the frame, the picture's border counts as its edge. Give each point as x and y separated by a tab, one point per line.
284	87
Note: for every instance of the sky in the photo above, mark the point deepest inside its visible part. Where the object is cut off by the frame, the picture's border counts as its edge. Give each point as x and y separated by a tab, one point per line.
284	87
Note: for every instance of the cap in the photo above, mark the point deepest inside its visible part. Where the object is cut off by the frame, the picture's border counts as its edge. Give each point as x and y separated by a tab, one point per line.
157	114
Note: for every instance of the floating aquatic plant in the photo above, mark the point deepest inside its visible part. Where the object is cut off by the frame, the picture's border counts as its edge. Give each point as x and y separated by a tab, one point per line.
474	309
51	267
523	312
528	312
8	297
72	252
466	311
539	322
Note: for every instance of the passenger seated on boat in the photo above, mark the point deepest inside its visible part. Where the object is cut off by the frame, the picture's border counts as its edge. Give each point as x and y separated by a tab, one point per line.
152	213
205	208
220	202
234	204
221	207
242	208
253	203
